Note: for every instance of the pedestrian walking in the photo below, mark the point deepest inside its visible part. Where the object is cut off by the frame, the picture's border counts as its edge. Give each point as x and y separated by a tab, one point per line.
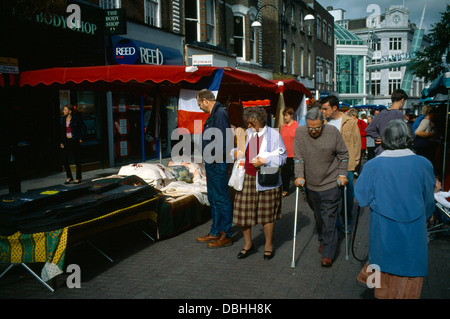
349	130
400	205
287	132
73	131
375	128
321	163
258	202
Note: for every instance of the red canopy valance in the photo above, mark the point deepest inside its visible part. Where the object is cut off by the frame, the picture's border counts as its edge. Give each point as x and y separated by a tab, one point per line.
235	83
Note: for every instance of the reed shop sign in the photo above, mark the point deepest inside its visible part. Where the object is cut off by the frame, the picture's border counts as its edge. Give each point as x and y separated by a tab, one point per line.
126	51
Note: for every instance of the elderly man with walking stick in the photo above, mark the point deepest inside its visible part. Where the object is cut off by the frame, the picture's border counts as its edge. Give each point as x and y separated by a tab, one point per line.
321	164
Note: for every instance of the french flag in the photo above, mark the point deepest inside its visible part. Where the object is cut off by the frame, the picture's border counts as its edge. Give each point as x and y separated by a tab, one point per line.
188	109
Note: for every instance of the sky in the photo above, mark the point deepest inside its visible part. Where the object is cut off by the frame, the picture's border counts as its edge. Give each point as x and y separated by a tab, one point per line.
357	9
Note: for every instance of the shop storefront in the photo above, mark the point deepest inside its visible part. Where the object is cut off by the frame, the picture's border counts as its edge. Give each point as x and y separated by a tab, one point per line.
41	40
133	136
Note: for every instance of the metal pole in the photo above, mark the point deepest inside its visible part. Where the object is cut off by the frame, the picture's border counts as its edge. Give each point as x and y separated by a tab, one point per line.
295	228
345	222
445	141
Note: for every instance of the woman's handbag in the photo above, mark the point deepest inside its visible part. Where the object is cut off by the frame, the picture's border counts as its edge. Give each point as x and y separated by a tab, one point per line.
266	178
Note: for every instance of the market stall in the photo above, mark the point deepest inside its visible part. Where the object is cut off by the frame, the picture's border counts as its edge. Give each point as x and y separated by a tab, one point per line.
179	206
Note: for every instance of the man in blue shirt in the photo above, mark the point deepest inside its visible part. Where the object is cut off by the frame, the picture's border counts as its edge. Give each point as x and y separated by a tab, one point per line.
378	123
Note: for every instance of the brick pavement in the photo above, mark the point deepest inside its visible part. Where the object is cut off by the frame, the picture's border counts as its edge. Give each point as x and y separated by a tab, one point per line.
181	268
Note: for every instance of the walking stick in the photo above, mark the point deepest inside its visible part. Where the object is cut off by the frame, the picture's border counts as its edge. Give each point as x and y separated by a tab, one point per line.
345	222
295	228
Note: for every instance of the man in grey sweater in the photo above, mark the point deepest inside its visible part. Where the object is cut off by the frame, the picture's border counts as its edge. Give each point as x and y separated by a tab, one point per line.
321	163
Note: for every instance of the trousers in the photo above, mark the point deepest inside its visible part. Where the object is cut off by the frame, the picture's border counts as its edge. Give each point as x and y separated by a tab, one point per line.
326	206
219	198
71	146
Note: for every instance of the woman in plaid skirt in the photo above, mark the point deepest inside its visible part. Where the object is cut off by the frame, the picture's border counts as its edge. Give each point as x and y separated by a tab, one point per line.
257	204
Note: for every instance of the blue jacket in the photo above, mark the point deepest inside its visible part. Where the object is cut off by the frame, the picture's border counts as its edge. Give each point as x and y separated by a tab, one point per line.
77	127
400	204
215	132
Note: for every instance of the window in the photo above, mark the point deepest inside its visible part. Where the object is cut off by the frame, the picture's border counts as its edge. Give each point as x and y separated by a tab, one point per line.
319	71
376	45
310	62
319	28
324	31
210	22
301	20
151	12
252	40
110	4
293	59
330	36
375	87
329	73
191	20
396	69
395	43
283	52
239	36
394	84
300	61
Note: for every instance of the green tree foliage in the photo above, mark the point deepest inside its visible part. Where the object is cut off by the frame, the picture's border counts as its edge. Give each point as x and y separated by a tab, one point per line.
435	59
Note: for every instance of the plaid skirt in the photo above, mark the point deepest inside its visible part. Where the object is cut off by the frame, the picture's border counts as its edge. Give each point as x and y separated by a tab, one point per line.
252	207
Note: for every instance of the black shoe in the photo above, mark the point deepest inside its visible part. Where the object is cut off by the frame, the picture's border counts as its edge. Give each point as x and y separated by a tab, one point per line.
77	181
246	253
269	255
68	181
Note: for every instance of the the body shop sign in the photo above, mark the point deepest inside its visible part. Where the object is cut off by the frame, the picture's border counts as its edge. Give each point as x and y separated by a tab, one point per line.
126	51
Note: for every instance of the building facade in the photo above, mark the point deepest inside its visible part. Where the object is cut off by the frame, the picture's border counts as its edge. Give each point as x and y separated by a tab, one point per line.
181	32
352	56
390	35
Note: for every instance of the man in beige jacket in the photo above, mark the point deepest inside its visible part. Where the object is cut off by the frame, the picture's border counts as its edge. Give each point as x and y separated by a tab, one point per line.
349	130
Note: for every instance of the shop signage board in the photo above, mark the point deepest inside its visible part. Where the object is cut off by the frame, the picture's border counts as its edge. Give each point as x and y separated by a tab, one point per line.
203	59
127	51
115	22
9	65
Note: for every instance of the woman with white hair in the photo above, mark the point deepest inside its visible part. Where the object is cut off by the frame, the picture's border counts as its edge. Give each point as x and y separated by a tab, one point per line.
400	204
259	203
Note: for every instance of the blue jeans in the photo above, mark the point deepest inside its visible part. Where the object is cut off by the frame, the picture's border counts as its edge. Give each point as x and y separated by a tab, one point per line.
219	198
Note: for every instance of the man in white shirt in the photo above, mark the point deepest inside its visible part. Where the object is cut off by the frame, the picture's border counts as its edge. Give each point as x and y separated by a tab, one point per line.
349	130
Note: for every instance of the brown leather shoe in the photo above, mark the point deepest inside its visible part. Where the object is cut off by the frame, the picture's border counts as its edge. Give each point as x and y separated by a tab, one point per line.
223	241
207	238
326	262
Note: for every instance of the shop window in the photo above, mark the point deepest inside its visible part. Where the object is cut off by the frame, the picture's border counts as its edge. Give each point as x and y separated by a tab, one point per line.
141	131
86	106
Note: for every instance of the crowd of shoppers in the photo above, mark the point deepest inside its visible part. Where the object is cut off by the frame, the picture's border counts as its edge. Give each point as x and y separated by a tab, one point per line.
323	154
